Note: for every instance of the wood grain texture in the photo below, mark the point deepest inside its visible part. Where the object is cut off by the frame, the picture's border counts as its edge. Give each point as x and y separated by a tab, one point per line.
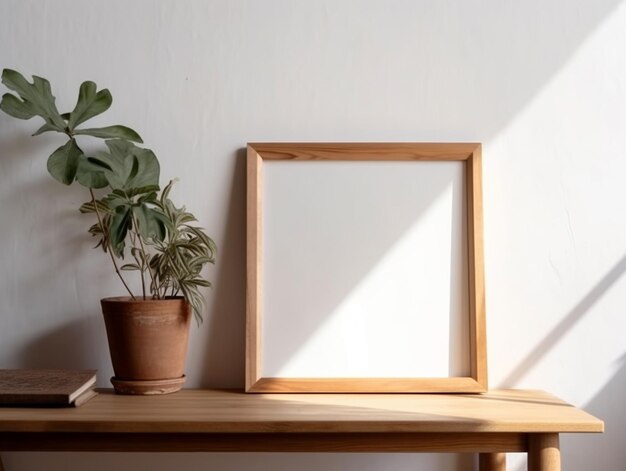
492	462
370	385
253	271
357	151
478	328
214	411
544	452
468	152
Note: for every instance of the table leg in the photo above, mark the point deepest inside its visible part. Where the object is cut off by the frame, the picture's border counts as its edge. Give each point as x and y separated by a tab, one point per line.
543	452
492	461
1	466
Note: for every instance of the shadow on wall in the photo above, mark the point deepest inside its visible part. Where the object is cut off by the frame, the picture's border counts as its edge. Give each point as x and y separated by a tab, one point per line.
605	451
566	324
227	319
40	263
79	344
588	451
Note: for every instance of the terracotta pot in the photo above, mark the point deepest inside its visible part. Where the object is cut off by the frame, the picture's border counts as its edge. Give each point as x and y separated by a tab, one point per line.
148	343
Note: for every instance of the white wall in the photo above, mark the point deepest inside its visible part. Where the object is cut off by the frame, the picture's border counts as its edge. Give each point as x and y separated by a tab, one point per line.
540	83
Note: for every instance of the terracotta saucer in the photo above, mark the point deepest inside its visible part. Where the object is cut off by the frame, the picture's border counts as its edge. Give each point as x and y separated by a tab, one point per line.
148	387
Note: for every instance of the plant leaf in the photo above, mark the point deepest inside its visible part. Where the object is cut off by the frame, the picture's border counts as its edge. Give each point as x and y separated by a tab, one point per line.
37	96
200	282
112	132
114	200
45	128
15	107
150	222
89	174
63	163
89	207
121	223
148	196
96	231
99	163
166	191
194	298
201	260
130	266
131	167
150	189
206	240
90	103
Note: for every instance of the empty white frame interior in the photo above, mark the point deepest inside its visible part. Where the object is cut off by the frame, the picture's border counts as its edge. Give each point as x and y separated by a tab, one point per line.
365	269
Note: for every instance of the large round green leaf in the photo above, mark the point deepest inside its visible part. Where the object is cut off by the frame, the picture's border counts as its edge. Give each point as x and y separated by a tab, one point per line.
89	174
63	163
151	222
129	167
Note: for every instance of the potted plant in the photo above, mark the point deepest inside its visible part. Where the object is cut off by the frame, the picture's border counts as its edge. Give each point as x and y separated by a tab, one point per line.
137	225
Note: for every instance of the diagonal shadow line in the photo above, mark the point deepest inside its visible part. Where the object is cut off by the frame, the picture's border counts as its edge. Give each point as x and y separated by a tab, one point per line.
566	324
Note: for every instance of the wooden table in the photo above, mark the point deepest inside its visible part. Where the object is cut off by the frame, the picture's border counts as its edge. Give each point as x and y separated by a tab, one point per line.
231	421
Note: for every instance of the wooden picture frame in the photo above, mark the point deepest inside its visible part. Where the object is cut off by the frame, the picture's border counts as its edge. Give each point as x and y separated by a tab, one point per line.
258	154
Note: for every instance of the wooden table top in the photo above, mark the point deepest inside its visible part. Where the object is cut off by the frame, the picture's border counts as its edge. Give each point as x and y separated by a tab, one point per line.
223	411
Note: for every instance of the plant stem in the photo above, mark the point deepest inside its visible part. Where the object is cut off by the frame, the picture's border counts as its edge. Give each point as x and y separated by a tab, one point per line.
155	291
143	284
141	270
163	284
133	240
117	270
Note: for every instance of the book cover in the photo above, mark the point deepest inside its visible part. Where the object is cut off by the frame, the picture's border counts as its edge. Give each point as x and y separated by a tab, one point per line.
44	387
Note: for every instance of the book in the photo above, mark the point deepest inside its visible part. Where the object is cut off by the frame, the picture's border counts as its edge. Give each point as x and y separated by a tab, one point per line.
45	387
84	397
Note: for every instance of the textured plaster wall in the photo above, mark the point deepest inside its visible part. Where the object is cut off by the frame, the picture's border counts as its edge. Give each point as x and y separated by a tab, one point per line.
541	83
